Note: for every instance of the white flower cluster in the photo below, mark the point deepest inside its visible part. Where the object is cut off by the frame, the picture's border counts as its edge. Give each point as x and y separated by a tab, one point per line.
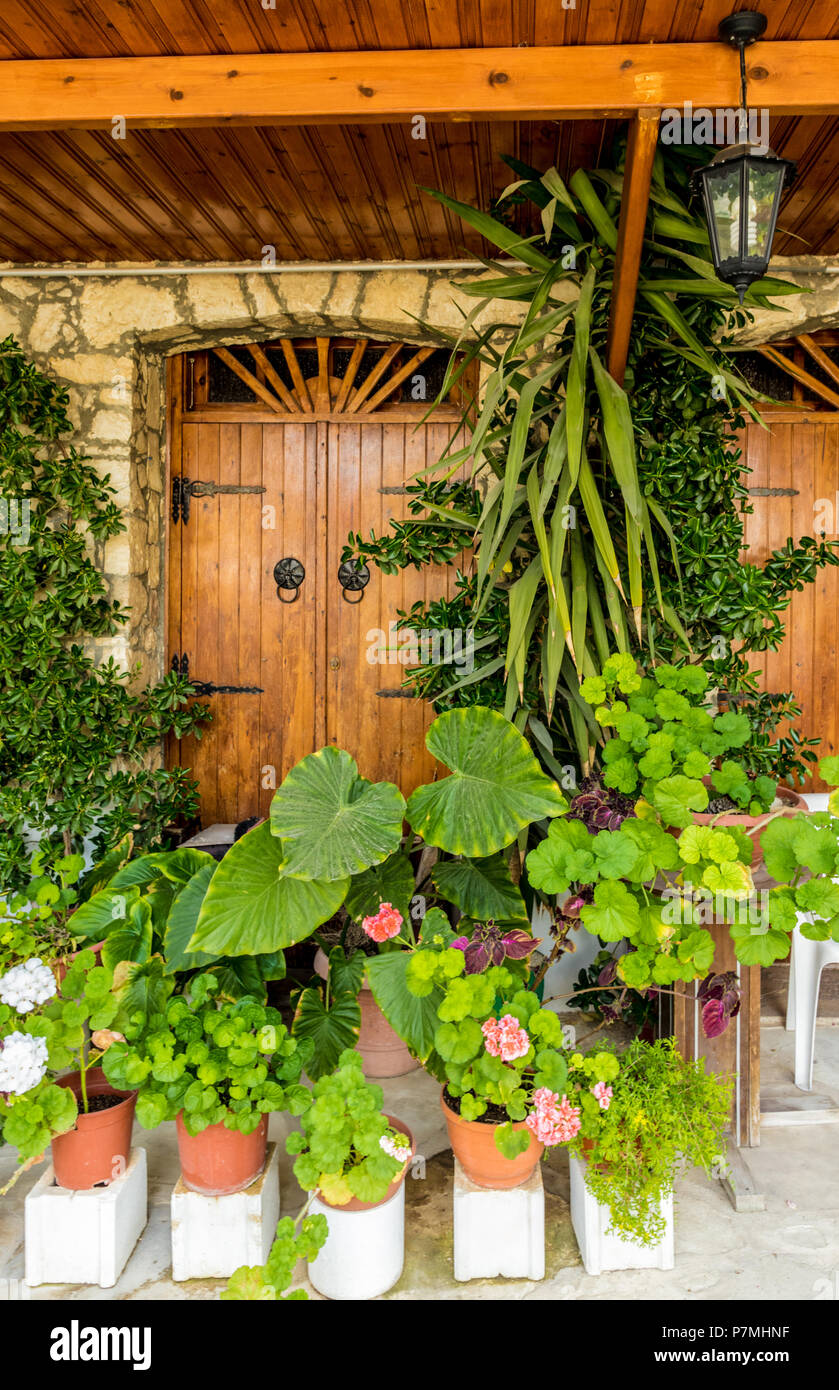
26	985
23	1061
397	1145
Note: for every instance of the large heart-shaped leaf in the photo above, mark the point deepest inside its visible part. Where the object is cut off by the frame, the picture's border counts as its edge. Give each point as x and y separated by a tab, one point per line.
481	888
181	923
103	913
251	907
414	1019
330	1030
130	939
496	786
332	822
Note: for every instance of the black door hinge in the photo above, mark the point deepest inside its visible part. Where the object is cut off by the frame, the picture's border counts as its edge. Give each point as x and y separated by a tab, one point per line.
773	491
180	666
183	491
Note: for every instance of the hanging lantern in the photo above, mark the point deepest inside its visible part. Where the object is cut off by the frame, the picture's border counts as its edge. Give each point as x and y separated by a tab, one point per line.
742	186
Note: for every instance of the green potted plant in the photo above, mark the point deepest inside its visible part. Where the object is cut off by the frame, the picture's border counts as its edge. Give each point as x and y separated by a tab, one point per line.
218	1068
507	1093
660	1114
353	1158
52	1089
336	841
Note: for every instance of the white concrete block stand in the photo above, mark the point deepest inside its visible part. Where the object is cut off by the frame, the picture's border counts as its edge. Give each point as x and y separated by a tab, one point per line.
213	1236
499	1231
85	1237
603	1252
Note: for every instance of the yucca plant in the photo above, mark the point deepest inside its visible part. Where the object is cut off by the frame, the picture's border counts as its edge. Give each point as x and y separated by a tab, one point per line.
553	502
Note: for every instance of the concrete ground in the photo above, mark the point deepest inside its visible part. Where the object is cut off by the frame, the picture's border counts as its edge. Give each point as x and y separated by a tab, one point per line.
788	1251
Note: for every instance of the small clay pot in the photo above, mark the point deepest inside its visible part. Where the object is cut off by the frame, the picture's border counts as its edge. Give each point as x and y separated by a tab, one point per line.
355	1203
97	1150
383	1051
220	1160
474	1147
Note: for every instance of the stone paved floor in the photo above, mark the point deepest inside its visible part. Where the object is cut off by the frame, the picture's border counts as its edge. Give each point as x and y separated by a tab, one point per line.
789	1251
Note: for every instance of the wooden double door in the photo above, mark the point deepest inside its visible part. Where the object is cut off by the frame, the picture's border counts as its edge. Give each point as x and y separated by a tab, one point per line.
259	614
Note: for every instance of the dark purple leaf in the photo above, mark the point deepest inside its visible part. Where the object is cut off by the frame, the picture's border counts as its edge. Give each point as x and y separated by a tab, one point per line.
477	957
518	943
714	1018
607	974
460	943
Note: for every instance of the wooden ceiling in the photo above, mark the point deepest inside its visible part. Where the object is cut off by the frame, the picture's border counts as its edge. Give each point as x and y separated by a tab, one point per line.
337	192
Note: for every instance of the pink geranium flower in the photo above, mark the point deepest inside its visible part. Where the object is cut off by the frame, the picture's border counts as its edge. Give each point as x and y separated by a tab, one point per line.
553	1121
505	1038
386	923
603	1094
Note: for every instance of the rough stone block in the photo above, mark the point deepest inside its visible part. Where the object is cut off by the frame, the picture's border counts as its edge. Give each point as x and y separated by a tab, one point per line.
213	1236
499	1231
85	1237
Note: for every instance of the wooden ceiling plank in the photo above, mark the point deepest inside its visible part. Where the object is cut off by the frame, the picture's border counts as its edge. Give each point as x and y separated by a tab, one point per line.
640	153
296	375
360	395
250	380
350	374
306	182
491	84
815	386
398	377
273	376
818	354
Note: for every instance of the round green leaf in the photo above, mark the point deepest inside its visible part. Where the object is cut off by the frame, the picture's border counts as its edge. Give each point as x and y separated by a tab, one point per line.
332	822
496	786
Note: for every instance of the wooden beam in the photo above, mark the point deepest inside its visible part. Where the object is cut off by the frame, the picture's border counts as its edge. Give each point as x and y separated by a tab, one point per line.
818	354
250	380
638	169
799	77
798	374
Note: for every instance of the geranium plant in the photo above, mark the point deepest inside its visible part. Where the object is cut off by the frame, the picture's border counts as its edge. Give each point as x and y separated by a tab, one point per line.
347	1147
655	879
218	1061
45	1032
661	1113
802	854
498	1052
297	1239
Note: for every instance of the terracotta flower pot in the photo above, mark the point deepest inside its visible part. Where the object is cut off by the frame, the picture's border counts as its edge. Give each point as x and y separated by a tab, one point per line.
794	804
474	1147
99	1147
220	1160
383	1051
355	1203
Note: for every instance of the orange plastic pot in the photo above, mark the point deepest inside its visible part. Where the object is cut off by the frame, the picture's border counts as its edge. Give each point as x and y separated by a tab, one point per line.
98	1149
355	1203
793	804
382	1050
219	1160
474	1147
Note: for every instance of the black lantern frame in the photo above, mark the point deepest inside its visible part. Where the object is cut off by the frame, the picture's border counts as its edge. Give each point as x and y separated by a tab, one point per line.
743	184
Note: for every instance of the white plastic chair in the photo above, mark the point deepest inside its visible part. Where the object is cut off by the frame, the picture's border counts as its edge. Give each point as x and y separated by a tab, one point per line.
807	961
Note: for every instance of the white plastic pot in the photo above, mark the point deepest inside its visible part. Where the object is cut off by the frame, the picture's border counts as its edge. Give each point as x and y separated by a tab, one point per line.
602	1251
364	1251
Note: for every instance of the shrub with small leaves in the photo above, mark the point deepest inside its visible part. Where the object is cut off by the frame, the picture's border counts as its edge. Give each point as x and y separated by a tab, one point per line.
218	1062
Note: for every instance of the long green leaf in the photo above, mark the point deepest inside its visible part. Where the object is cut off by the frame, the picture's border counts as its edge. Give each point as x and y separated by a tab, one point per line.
575	391
495	232
596	213
596	517
620	436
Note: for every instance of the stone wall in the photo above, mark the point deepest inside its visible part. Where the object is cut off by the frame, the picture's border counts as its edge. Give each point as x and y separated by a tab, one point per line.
105	338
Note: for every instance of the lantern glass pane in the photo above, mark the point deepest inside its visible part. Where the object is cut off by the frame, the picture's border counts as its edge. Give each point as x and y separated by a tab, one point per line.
724	188
764	187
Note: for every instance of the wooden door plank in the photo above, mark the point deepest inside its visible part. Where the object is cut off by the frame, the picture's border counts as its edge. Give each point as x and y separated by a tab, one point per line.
227	671
247	708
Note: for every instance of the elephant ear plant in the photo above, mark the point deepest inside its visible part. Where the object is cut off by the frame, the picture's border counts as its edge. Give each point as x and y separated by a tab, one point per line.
336	841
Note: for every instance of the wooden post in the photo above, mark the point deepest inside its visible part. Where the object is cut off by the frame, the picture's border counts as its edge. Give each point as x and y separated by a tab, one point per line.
640	153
